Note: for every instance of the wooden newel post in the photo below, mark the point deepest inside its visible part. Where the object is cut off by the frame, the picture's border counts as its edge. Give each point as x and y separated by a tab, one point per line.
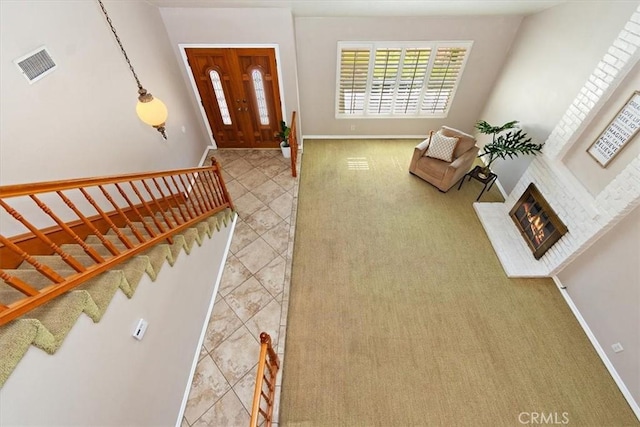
223	186
265	338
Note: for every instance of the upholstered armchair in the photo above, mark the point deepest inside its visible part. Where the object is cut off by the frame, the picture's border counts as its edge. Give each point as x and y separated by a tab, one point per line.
444	157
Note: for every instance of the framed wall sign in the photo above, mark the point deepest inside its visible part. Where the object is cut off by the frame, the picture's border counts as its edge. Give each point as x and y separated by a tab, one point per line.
622	129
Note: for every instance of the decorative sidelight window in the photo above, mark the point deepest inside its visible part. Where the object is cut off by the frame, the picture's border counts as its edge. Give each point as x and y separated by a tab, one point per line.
258	88
398	79
222	101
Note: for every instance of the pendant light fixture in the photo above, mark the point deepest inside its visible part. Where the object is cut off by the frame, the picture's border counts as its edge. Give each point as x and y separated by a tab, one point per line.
150	110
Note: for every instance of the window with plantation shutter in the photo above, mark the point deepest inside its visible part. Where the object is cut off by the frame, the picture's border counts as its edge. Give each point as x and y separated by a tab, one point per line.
443	79
354	69
398	79
414	70
386	67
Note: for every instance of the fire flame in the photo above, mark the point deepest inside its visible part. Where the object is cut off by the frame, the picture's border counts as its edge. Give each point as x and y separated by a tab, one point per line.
536	225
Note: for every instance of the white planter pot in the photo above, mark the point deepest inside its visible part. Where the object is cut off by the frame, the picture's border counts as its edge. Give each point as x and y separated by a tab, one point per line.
286	151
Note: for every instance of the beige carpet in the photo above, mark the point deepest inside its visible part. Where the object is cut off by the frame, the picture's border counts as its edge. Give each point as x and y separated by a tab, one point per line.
400	313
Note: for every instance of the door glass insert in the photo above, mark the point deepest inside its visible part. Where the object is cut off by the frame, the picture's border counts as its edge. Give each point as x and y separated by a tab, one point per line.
222	101
258	87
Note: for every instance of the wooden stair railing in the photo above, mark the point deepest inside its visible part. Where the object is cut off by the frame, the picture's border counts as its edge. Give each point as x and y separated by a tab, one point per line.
268	365
153	206
293	143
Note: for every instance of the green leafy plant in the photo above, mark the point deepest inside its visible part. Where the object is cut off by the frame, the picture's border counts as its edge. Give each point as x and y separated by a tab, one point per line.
506	142
283	135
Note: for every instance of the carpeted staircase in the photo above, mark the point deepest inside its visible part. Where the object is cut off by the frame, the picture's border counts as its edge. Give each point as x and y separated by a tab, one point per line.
47	326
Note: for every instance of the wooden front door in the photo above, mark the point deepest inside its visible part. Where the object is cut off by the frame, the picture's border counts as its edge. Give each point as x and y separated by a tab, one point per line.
240	95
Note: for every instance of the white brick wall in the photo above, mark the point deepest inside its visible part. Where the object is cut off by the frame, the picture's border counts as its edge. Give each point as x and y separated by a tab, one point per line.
587	217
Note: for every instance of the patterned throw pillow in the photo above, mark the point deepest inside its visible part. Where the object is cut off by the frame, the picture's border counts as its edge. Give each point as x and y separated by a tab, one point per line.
441	147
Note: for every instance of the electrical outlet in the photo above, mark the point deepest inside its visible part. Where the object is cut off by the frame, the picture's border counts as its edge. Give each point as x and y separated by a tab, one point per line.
353	127
617	347
140	329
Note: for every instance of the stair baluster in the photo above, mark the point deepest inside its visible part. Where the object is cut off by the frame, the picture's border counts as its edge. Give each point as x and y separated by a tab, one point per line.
150	212
160	209
45	270
220	182
196	190
73	263
106	242
137	212
17	284
169	207
217	197
88	249
293	143
190	197
202	179
175	199
268	365
104	216
190	194
122	214
182	197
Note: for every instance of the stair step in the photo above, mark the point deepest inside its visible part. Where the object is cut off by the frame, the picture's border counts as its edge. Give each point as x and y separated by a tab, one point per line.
47	326
76	250
129	233
34	278
94	240
57	263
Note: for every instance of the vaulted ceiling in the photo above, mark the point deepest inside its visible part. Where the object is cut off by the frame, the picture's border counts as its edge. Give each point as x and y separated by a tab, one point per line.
322	8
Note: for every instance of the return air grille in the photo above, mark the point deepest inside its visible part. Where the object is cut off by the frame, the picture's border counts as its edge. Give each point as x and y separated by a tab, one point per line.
36	65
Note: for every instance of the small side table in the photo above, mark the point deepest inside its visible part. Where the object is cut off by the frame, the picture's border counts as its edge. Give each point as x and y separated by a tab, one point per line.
486	180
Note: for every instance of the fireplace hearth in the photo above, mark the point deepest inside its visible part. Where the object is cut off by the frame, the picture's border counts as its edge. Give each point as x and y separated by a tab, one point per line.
537	222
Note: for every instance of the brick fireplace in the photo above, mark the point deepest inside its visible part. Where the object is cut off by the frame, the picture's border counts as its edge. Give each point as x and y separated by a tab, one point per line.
537	222
587	216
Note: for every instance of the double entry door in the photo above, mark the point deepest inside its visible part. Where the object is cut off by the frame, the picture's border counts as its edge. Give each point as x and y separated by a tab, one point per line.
240	95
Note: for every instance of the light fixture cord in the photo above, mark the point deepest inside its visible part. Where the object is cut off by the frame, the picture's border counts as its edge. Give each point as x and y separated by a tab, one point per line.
113	30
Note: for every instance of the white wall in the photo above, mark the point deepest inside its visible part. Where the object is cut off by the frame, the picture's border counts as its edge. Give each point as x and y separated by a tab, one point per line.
545	86
590	173
103	376
80	120
554	53
604	283
316	41
241	26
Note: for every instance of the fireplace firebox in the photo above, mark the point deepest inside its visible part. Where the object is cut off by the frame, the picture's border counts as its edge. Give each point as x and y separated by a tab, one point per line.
537	221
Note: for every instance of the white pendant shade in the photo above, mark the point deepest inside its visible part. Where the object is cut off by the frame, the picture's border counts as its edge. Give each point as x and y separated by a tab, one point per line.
153	113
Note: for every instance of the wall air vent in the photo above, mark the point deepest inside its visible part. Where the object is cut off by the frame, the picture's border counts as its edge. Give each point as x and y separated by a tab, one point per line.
36	65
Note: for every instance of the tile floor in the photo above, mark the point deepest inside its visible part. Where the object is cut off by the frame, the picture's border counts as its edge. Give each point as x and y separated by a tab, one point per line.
254	292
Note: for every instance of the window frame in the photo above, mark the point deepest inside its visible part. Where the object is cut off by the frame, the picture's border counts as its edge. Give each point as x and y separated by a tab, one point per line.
373	46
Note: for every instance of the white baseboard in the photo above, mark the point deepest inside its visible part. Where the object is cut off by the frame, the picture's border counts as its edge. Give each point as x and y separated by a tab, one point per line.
364	136
596	345
204	155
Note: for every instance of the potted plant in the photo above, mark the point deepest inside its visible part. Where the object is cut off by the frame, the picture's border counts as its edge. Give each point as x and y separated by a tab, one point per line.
283	137
507	140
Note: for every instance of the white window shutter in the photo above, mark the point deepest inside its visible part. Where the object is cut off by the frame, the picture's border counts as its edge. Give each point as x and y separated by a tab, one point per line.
352	81
443	79
386	68
398	80
414	70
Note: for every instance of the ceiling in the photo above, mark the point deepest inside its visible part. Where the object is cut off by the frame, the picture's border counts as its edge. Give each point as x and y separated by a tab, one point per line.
378	7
